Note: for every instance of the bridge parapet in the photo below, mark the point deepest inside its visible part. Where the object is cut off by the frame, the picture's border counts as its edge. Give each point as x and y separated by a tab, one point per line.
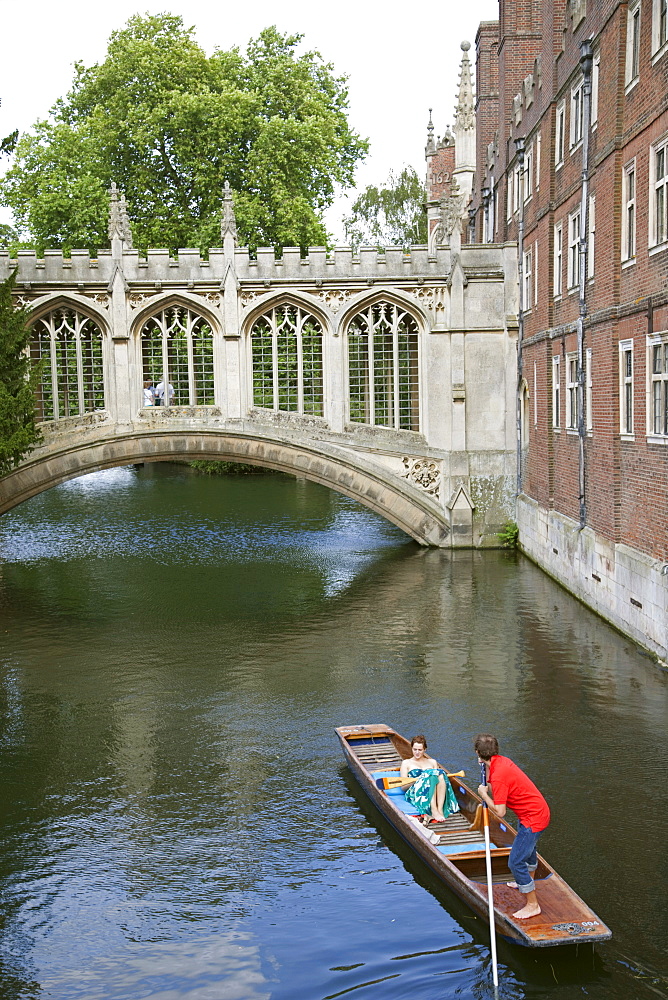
189	265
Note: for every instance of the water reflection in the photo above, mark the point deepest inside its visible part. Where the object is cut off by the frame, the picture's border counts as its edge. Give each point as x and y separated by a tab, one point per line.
176	651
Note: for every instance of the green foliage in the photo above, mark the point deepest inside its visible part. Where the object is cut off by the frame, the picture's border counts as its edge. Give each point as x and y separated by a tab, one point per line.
509	535
226	468
8	144
170	125
18	381
391	215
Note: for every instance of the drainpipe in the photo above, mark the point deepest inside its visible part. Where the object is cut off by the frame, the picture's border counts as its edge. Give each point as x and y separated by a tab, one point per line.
520	146
586	61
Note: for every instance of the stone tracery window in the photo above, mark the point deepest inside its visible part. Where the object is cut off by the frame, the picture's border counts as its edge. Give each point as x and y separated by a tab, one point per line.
177	346
383	367
286	348
69	347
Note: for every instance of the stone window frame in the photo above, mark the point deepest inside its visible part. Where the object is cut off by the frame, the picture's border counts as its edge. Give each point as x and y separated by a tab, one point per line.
528	174
535	272
595	77
659	29
573	259
657	388
556	392
558	261
658	196
626	390
537	159
576	114
632	63
591	240
629	212
560	135
571	393
589	416
527	278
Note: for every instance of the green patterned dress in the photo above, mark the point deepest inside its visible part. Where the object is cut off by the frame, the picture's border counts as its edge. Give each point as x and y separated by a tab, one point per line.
421	793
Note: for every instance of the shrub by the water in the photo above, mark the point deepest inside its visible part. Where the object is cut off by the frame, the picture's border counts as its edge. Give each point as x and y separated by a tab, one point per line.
226	468
509	534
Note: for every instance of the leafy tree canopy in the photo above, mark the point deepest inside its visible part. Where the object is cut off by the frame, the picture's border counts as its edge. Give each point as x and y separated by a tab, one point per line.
390	215
18	378
170	124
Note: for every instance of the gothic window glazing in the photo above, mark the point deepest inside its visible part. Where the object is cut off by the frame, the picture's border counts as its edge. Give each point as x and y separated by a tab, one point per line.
286	348
177	347
383	368
68	345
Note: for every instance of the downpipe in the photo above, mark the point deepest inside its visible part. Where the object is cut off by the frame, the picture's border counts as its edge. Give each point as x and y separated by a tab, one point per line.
586	62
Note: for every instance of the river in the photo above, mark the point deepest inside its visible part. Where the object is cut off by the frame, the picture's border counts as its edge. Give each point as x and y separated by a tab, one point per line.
178	823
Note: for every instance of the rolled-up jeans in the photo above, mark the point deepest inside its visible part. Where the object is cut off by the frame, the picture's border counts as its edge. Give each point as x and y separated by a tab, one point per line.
523	859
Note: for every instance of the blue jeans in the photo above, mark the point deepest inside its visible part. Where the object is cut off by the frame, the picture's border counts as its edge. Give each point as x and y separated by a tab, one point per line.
523	860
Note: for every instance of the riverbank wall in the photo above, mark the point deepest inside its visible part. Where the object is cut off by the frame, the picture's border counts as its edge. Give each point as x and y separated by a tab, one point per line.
626	587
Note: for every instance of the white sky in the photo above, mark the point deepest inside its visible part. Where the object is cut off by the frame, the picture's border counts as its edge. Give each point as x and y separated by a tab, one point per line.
400	60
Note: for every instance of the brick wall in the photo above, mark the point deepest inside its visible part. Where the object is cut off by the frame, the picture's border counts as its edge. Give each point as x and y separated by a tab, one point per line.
626	475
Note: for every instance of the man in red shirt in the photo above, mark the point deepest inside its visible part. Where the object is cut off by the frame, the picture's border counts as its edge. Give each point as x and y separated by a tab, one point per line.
512	789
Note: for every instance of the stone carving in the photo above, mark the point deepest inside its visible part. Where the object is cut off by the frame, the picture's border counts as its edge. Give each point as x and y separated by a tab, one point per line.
334	298
517	108
23	301
450	208
249	296
119	221
136	299
423	473
101	298
228	222
578	11
528	86
215	298
424	294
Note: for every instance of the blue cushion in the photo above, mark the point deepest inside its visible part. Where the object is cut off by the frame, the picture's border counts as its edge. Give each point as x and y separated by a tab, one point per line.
463	848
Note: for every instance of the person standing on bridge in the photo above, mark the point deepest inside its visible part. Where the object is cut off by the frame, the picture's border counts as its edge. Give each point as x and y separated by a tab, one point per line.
160	393
512	789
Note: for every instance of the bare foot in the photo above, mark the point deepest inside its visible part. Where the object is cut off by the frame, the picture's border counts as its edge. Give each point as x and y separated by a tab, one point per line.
527	911
439	817
512	885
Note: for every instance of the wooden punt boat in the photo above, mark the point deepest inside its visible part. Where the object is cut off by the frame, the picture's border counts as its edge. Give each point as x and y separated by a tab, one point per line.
458	856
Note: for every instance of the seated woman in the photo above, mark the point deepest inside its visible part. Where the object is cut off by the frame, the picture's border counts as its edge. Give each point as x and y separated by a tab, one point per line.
431	791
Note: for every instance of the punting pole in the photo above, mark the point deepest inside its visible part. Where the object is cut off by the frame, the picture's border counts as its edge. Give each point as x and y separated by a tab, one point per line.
490	897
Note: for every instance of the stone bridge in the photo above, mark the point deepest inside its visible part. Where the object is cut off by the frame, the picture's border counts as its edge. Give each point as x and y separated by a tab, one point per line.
388	376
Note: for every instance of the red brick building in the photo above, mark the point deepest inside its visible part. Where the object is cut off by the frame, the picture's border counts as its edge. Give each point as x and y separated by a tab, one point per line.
572	163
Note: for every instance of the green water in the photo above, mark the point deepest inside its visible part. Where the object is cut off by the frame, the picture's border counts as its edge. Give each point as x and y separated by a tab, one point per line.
175	651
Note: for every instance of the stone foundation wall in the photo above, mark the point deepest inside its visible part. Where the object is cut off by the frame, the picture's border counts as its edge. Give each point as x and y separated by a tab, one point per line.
625	586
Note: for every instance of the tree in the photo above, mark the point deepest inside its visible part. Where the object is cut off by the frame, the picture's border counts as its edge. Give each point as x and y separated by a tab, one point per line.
18	381
390	215
169	125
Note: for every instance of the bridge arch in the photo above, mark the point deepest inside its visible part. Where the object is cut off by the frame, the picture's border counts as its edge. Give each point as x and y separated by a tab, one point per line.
387	494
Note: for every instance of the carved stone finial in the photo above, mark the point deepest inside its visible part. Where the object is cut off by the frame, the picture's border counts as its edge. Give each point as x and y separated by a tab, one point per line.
431	146
126	231
228	222
119	222
465	109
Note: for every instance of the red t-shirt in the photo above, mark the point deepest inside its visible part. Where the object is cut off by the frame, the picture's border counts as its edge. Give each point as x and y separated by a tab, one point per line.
511	787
